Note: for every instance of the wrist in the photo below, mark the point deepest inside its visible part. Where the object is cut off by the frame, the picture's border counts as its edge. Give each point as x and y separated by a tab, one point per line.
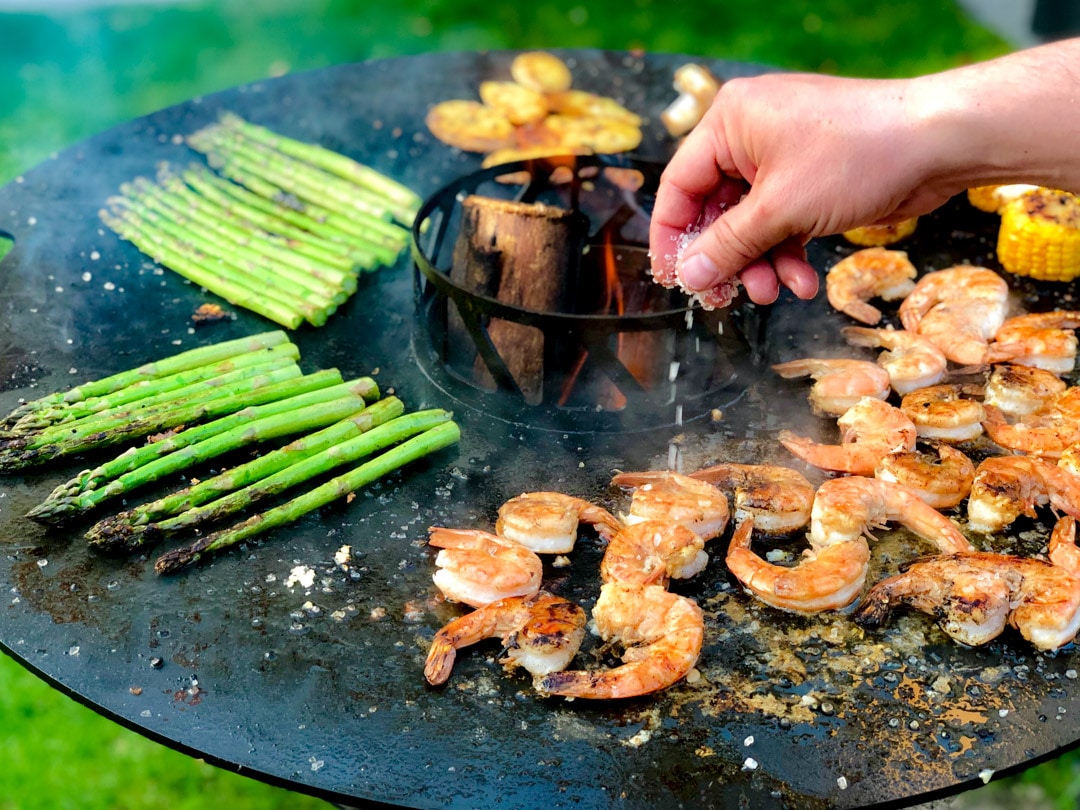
1010	120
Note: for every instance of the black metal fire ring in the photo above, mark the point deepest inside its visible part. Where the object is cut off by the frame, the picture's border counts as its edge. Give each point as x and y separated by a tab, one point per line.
713	356
328	698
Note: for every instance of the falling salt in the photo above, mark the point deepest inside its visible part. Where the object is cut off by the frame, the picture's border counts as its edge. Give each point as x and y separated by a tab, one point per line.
31	221
108	285
673	371
678	415
87	276
94	255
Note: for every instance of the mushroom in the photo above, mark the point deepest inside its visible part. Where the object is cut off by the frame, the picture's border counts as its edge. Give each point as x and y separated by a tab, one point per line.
697	87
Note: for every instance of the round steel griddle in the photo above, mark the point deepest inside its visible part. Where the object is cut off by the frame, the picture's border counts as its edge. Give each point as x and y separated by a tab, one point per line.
321	689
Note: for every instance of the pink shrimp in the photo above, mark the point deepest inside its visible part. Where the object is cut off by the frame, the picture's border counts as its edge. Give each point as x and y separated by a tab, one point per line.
1041	339
871	273
838	383
912	361
478	568
959	309
540	632
869	430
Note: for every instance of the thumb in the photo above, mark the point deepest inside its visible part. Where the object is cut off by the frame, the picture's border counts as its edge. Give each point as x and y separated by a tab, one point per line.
742	234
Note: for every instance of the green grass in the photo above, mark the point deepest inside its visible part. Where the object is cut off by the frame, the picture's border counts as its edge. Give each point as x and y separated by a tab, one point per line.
59	755
70	75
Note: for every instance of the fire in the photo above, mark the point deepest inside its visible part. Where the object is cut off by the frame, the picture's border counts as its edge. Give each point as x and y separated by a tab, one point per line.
637	351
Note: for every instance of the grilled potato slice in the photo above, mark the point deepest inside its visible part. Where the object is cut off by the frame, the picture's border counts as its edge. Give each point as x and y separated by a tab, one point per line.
541	71
470	125
600	133
583	103
520	104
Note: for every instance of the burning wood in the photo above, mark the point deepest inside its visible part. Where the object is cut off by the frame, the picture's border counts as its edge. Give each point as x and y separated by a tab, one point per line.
522	254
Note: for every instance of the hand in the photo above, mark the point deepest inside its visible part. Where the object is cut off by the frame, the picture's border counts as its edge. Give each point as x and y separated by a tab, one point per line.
781	158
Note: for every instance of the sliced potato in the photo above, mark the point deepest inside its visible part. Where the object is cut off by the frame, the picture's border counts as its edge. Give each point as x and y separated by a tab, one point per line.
600	133
547	153
581	102
520	104
541	71
470	125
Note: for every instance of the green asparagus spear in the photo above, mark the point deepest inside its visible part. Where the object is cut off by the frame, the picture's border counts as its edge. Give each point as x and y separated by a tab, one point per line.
172	386
200	219
193	186
305	181
237	288
364	227
136	527
198	392
18	454
229	193
136	457
183	361
333	162
411	450
346	452
60	507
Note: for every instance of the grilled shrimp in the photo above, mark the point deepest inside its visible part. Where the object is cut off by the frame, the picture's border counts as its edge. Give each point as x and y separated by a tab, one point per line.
1018	391
652	551
1041	339
547	522
1046	432
911	360
959	309
838	383
868	430
846	509
974	595
478	568
540	632
673	497
871	273
833	570
943	479
828	577
661	633
1006	487
944	413
778	498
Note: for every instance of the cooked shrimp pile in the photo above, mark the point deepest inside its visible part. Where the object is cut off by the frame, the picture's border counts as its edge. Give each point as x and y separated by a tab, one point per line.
1022	423
916	443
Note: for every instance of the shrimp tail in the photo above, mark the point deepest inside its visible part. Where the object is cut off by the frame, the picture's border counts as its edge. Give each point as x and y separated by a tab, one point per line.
875	607
440	660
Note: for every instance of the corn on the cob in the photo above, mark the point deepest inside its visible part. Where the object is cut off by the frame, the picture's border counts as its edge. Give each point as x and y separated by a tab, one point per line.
1039	235
881	235
993	198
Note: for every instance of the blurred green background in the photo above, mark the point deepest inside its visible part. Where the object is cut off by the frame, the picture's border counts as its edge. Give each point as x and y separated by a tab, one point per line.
72	68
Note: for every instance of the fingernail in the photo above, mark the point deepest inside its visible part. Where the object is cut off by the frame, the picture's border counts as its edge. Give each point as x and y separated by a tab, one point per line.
697	272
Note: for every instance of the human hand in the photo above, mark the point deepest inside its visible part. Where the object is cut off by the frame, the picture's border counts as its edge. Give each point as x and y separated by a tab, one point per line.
781	158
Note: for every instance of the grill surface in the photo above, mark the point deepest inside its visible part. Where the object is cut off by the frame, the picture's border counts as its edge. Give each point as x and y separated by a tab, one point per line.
232	664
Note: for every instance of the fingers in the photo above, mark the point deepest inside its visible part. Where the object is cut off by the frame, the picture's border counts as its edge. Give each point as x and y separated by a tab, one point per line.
742	234
785	265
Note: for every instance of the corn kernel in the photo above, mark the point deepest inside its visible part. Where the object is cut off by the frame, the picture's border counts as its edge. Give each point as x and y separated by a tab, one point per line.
881	235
